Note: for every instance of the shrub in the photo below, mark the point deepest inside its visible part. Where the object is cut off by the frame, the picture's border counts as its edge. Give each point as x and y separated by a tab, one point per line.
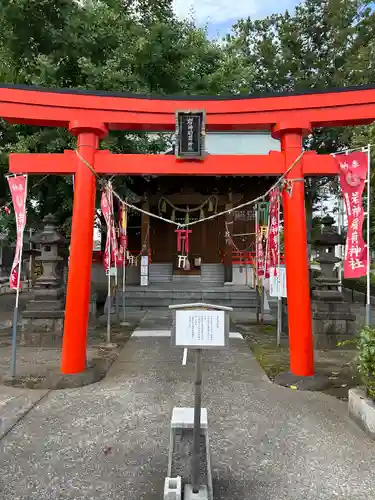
366	359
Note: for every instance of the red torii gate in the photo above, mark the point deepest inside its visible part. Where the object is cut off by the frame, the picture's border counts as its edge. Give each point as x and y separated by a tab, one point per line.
90	115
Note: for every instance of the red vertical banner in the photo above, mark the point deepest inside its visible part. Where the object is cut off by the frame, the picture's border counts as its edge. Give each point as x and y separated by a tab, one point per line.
114	242
123	218
111	245
106	211
273	232
18	189
260	252
353	173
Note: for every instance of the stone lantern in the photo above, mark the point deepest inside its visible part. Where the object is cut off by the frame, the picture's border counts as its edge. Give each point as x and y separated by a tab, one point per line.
328	282
332	319
45	313
50	242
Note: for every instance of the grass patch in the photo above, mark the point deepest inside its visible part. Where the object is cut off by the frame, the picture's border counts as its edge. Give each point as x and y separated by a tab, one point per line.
269	329
272	358
336	364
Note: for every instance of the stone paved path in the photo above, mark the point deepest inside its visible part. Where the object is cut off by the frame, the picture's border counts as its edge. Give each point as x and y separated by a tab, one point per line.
110	440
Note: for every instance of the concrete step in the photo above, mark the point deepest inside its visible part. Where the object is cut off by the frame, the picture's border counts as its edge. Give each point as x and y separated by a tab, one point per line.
183	293
163	298
212	273
189	279
160	273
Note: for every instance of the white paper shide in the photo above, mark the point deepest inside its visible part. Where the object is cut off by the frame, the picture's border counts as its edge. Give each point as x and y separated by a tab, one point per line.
277	282
144	270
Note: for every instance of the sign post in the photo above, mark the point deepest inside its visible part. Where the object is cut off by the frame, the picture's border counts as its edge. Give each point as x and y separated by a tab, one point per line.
278	289
199	326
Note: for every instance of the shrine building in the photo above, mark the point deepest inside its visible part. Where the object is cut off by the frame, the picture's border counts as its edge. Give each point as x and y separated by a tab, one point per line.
221	249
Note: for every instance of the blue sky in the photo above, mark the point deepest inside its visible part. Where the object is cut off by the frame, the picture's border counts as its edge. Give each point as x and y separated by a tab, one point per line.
220	15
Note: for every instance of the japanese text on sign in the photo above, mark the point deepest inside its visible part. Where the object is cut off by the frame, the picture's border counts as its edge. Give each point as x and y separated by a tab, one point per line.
353	170
17	187
190	134
200	329
107	210
273	243
260	254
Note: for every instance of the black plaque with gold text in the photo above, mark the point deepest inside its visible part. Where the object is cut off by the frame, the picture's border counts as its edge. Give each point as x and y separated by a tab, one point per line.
190	132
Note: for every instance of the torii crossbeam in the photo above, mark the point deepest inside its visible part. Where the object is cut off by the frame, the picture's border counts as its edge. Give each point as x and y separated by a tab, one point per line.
89	116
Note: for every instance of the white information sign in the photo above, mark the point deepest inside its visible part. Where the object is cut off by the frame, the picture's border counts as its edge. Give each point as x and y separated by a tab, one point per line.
144	280
112	271
144	270
277	283
200	329
144	260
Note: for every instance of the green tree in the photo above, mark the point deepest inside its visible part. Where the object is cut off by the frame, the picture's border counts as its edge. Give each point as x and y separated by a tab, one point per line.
316	47
104	45
324	44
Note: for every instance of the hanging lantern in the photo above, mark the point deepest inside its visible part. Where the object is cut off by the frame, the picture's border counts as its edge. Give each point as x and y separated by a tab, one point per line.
173	216
201	214
210	206
163	206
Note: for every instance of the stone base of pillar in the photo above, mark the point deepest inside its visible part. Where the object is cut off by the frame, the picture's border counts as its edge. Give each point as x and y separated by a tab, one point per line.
314	383
55	380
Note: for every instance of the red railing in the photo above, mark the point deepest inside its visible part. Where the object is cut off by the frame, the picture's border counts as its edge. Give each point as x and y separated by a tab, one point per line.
247	258
238	257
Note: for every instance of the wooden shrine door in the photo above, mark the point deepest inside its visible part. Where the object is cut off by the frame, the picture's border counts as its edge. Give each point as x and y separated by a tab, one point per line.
206	243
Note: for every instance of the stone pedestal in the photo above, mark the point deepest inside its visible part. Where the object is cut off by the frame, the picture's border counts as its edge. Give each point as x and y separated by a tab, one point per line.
180	449
332	323
43	318
332	319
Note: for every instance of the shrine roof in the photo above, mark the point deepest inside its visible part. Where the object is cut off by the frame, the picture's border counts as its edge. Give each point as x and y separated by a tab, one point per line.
301	109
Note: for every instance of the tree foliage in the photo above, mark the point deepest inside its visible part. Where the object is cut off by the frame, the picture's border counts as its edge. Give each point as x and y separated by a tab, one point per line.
140	46
107	45
316	47
324	44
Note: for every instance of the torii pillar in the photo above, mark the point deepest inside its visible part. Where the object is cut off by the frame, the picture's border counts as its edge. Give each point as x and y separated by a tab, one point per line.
81	247
296	254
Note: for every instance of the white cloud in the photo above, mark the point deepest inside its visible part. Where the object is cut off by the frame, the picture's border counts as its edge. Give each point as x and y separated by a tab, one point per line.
222	11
